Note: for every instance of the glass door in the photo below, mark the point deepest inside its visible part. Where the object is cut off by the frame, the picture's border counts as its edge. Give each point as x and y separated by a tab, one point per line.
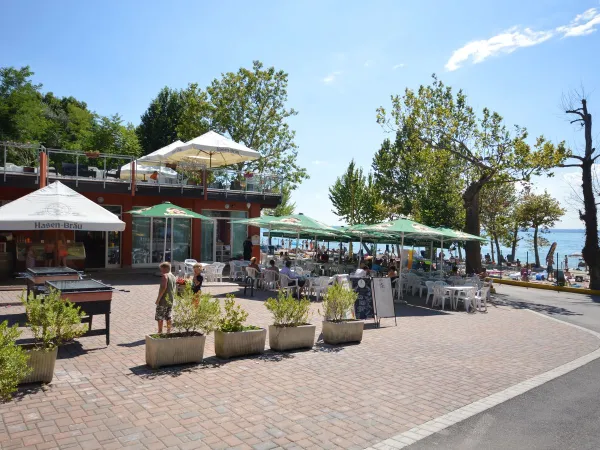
113	242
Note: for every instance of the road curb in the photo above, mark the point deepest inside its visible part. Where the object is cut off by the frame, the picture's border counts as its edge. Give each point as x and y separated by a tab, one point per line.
433	426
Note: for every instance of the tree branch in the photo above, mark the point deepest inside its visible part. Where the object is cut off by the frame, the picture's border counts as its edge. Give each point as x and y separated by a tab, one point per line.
569	165
576	111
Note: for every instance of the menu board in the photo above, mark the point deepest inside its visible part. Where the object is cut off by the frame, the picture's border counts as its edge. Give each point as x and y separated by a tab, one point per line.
363	307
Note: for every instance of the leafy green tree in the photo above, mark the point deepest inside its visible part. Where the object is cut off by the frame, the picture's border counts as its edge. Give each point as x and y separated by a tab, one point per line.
13	361
542	211
110	136
355	197
158	124
496	205
286	207
250	107
195	114
442	120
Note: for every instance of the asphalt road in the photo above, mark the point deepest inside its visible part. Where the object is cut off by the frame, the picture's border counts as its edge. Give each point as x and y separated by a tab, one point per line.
561	414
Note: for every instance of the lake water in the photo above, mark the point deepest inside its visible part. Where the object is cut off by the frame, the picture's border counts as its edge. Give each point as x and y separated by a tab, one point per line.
568	241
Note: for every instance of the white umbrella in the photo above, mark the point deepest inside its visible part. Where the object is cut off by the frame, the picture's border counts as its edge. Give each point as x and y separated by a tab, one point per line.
57	207
210	149
143	172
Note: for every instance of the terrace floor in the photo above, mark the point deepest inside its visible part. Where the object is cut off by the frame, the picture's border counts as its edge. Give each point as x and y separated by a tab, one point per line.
351	396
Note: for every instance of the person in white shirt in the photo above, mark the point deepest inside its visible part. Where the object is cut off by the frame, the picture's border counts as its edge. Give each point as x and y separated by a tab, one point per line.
363	271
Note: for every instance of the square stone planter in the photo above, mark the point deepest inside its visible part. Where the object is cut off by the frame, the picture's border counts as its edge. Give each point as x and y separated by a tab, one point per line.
42	364
174	350
291	338
342	332
240	343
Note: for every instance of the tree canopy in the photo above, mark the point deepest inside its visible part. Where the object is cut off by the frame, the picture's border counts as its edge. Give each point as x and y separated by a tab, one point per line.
439	119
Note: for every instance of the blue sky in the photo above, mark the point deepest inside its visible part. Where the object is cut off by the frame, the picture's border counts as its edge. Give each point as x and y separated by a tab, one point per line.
344	59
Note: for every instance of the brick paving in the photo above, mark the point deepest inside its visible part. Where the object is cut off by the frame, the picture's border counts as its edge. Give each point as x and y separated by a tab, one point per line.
329	397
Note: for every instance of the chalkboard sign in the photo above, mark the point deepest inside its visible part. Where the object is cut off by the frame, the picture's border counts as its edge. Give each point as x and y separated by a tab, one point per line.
363	307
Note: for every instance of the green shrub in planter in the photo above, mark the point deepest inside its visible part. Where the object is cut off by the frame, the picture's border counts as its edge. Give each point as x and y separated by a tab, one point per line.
290	329
338	301
194	317
339	327
13	361
53	322
233	338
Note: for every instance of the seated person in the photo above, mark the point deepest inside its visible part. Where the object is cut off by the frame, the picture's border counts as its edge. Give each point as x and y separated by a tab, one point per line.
198	279
254	265
483	274
292	275
376	266
324	257
392	272
363	271
286	256
454	270
518	263
272	266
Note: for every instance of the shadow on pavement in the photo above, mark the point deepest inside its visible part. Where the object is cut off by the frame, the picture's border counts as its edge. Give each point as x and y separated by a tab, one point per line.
518	304
133	344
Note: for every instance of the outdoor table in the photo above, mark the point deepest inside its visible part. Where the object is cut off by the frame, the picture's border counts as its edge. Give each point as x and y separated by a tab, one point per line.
455	290
93	297
37	276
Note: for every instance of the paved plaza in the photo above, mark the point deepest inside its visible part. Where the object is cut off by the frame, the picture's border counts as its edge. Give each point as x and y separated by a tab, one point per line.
351	396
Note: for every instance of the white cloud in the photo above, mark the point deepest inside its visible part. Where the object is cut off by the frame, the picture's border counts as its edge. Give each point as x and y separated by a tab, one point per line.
582	25
398	66
331	77
516	37
318	162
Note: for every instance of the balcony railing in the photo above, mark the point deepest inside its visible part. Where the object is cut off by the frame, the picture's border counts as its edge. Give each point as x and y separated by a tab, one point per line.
24	160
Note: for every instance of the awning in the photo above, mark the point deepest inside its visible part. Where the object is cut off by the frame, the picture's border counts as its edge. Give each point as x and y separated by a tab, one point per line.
57	207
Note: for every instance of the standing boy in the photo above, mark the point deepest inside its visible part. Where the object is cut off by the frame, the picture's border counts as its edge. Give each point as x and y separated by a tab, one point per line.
166	294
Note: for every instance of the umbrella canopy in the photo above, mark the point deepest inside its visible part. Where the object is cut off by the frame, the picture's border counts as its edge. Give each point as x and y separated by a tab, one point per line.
294	222
320	235
57	207
454	235
168	210
402	227
210	149
142	172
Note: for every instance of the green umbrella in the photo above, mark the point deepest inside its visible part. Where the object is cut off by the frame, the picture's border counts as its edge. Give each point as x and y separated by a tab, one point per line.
167	210
455	235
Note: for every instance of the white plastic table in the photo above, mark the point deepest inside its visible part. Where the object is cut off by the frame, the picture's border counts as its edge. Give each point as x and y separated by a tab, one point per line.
455	290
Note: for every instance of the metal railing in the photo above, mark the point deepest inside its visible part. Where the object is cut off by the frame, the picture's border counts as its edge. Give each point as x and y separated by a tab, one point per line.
24	159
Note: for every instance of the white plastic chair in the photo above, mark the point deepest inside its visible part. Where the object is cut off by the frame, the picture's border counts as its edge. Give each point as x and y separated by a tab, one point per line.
270	279
320	285
210	272
189	266
252	277
286	282
237	269
429	285
482	296
440	294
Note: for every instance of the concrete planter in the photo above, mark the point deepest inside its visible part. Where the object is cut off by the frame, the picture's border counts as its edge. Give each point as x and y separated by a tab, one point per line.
342	332
291	338
240	343
42	362
174	350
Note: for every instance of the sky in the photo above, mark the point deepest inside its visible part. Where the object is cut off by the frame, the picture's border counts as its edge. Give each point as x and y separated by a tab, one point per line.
344	60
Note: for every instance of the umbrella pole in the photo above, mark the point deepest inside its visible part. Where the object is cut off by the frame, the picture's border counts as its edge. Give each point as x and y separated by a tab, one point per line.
359	250
165	240
296	258
442	256
400	293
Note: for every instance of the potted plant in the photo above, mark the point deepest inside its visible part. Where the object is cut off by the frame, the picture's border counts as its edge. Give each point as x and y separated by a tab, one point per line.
338	328
53	322
233	338
290	329
182	283
194	317
13	361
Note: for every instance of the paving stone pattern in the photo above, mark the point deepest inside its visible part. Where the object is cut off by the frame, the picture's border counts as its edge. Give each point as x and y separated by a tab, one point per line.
329	397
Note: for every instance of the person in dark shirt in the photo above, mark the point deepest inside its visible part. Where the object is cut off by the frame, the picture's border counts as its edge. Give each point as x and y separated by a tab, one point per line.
198	279
247	249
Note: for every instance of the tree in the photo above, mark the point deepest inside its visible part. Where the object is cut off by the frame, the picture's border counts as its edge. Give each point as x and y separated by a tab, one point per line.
158	124
577	107
250	107
542	211
286	207
110	136
195	114
496	210
442	120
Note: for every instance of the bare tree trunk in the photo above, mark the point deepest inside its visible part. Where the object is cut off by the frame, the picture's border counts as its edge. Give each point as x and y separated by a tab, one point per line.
535	246
459	252
591	248
492	249
472	226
